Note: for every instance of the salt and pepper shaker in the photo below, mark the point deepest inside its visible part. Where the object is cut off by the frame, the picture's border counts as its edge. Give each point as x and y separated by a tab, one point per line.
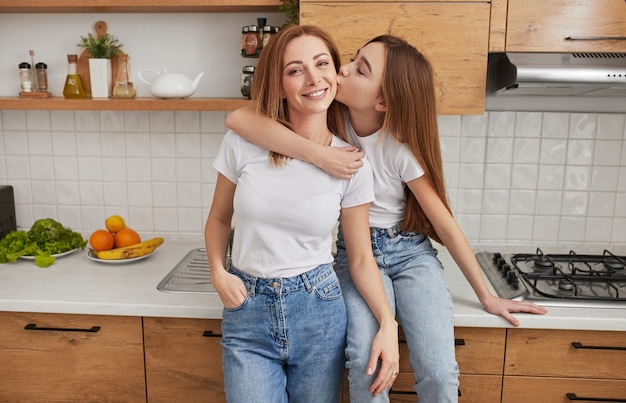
41	72
26	79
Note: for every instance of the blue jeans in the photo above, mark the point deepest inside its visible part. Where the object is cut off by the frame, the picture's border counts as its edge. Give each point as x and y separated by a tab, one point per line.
286	341
415	287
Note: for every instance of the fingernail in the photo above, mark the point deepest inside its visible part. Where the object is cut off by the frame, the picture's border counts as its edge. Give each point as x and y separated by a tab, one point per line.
370	371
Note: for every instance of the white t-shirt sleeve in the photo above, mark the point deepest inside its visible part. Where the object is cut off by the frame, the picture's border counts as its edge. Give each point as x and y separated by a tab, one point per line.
360	188
407	165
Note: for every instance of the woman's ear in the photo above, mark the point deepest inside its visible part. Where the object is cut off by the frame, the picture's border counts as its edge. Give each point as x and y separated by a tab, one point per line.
380	106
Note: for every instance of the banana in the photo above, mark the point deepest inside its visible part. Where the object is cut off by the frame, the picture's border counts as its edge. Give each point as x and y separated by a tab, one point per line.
132	251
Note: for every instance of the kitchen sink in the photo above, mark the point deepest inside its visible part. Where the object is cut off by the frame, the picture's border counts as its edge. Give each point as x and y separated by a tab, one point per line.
190	275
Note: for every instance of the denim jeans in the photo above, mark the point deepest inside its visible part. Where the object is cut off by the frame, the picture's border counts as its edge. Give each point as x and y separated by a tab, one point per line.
286	341
415	287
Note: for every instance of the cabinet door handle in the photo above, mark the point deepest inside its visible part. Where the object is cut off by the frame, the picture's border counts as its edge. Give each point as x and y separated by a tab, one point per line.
209	333
595	38
572	396
33	326
577	344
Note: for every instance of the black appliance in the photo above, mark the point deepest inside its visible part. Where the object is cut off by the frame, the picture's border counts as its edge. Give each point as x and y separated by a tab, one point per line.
570	279
7	211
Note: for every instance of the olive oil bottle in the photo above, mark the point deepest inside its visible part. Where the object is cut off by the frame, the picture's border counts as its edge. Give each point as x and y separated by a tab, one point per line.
73	83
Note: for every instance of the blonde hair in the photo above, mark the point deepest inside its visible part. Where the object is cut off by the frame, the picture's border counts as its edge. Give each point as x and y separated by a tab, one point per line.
409	92
267	84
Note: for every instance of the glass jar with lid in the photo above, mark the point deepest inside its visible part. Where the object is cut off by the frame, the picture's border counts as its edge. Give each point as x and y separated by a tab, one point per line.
247	77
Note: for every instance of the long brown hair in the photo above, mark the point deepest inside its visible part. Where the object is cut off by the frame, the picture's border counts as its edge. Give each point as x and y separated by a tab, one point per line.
409	92
267	84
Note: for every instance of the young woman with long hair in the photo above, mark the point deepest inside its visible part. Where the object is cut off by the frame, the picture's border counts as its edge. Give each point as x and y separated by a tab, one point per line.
388	90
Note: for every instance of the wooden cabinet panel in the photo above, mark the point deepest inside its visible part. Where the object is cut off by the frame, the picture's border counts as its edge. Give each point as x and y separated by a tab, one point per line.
520	389
552	353
183	360
454	37
480	388
482	351
544	26
71	358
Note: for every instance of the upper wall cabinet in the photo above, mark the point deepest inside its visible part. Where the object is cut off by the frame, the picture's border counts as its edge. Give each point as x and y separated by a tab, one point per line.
453	35
566	26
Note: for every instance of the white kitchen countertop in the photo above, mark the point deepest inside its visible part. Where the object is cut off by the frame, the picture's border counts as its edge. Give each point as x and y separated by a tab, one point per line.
78	285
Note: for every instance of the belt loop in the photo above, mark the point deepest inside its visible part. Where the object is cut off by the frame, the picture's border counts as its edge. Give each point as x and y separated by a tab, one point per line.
252	286
306	282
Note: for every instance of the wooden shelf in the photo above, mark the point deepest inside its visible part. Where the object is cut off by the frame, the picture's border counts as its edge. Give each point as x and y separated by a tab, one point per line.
136	6
137	104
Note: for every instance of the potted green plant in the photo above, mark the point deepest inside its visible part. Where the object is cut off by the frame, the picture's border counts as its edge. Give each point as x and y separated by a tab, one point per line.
291	10
101	48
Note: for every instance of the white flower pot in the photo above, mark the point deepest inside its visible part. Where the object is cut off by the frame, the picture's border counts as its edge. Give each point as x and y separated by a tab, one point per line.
100	77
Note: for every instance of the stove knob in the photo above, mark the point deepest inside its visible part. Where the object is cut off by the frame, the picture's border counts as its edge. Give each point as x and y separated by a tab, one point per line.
511	277
500	262
505	270
496	256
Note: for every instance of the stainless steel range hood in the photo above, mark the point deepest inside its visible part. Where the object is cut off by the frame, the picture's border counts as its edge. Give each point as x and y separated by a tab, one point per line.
557	74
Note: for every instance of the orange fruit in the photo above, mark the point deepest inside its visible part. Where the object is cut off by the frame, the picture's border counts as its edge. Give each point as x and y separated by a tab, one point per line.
126	237
101	240
115	223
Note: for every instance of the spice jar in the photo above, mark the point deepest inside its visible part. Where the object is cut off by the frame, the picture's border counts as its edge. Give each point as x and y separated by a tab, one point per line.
247	77
244	35
252	41
26	79
267	34
42	77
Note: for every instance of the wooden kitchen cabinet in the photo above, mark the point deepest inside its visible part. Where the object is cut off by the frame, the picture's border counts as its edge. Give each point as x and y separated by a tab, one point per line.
70	358
453	35
183	360
566	26
546	365
480	356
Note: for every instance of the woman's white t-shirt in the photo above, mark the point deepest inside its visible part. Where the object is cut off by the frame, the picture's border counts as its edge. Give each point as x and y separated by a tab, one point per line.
393	165
285	215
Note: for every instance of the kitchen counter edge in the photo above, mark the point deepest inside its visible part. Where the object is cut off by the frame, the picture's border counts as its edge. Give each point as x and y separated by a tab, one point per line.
78	285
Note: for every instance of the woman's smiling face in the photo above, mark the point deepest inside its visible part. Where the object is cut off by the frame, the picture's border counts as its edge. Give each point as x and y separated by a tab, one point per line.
309	81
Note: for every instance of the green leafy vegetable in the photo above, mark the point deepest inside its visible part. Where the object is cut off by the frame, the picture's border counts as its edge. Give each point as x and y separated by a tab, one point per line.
45	238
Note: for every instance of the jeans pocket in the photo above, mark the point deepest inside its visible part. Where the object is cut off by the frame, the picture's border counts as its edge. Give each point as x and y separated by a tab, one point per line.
240	306
329	289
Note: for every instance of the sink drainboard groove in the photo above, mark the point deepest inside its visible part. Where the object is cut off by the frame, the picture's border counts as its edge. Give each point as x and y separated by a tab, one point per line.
190	275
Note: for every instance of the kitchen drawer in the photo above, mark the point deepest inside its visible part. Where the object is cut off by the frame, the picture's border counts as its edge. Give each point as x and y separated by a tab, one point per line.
70	358
183	360
478	350
536	352
472	388
555	390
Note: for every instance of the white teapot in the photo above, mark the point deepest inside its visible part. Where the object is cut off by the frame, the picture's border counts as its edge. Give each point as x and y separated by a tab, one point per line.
171	85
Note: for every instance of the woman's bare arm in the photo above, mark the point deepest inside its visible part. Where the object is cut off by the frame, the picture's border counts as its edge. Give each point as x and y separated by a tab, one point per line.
463	254
340	162
366	277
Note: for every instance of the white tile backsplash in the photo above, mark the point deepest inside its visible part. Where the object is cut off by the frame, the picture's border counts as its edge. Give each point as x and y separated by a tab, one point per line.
512	177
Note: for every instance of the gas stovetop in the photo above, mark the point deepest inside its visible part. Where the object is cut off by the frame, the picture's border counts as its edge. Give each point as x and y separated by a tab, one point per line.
591	280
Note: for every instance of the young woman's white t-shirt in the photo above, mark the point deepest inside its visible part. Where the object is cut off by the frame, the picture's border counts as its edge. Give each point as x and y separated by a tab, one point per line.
285	215
393	165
